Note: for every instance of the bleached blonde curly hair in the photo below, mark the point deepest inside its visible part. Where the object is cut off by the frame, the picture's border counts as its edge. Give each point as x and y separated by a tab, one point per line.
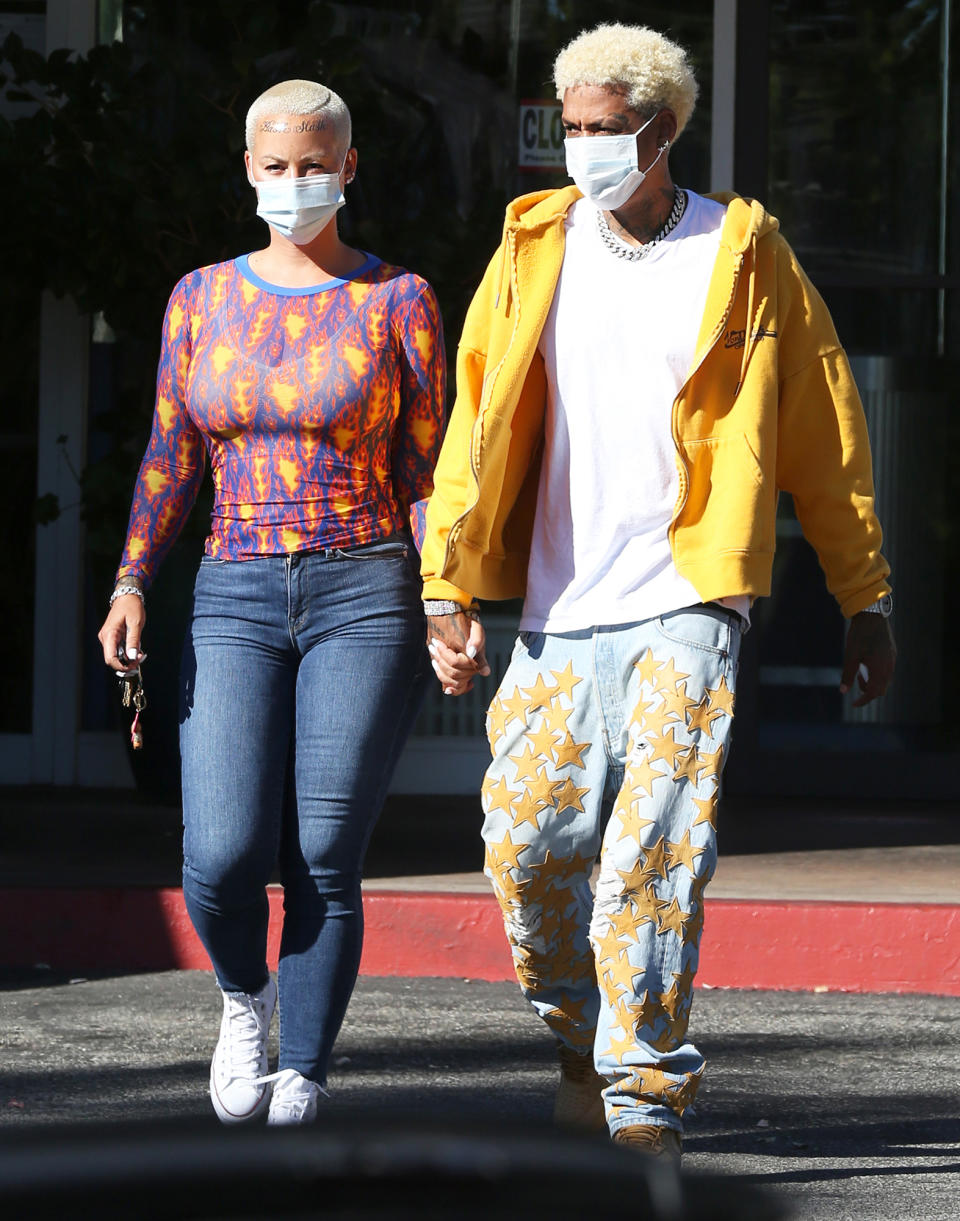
301	98
654	71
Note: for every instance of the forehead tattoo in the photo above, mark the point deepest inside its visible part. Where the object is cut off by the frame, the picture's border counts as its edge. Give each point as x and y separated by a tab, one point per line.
311	123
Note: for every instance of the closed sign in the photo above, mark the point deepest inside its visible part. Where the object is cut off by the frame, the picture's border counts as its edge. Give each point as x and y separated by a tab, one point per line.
540	136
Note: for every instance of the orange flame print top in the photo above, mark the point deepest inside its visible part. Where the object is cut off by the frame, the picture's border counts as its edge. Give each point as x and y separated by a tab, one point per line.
320	410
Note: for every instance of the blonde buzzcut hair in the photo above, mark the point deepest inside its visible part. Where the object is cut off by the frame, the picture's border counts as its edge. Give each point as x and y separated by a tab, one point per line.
301	98
654	71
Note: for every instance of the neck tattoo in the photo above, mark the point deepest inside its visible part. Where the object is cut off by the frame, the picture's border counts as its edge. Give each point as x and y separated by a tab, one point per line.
633	254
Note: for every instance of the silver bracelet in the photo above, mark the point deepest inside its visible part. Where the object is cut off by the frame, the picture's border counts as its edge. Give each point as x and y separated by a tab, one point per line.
438	606
122	589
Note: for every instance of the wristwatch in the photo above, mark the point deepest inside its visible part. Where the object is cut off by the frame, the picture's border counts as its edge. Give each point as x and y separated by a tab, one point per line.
883	606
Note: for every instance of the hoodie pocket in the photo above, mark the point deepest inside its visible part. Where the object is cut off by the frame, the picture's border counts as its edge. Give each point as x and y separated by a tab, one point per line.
730	503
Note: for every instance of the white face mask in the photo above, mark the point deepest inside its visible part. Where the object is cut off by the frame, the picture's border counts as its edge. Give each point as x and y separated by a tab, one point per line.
299	208
605	167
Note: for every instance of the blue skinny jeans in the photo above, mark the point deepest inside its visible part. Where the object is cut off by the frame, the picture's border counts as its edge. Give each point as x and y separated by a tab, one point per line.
301	676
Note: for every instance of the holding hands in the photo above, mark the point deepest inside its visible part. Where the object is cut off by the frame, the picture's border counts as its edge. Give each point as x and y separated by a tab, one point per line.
456	643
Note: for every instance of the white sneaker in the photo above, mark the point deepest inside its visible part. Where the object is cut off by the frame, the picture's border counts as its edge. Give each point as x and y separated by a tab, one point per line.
294	1098
237	1089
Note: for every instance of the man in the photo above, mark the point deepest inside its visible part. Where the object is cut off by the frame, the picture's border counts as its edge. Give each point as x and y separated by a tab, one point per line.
640	372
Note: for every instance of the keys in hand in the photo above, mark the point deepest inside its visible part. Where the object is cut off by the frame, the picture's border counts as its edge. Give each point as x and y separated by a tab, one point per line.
133	695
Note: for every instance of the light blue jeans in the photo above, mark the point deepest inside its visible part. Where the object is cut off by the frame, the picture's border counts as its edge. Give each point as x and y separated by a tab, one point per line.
630	721
301	677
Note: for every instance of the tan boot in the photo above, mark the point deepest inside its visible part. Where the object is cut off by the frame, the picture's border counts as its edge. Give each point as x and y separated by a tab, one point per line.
653	1139
579	1101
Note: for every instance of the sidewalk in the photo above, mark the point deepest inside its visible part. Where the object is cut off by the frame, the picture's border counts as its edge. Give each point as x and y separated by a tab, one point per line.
807	896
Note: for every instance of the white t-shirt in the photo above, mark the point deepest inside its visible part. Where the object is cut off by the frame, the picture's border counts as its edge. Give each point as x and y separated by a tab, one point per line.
618	344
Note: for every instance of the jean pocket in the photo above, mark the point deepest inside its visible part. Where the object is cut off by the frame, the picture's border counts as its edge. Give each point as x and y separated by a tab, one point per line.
707	628
387	549
529	642
210	561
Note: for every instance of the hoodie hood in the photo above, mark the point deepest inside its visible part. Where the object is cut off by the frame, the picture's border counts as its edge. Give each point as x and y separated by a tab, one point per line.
747	219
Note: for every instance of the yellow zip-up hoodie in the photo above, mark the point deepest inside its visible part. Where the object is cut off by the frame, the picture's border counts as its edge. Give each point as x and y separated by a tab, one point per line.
769	404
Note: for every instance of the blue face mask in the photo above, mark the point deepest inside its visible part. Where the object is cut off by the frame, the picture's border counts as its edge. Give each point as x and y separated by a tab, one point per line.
605	167
299	208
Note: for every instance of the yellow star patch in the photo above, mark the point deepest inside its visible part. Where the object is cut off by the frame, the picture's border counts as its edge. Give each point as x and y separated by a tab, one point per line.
539	695
496	722
633	825
647	666
721	697
707	810
528	807
527	763
568	796
609	947
673	1035
668	676
684	853
542	787
672	918
641	774
619	1047
644	903
514	707
656	719
556	716
655	860
505	853
683	1094
683	980
543	742
677	703
625	924
673	1000
638	718
570	753
665	746
712	760
652	1084
690	767
566	679
497	795
700	718
644	1011
580	865
634	879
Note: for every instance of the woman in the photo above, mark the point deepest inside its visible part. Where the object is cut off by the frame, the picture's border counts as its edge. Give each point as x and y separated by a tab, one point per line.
312	376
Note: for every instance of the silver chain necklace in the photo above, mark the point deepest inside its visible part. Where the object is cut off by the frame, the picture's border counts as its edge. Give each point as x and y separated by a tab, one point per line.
634	254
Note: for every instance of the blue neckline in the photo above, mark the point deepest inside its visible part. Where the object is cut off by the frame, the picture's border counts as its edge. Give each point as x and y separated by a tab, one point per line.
242	263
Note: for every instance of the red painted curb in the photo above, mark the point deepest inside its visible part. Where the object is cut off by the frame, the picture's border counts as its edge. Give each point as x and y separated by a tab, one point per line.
850	947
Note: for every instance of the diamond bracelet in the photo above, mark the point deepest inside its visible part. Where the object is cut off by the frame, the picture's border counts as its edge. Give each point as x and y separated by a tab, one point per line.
126	589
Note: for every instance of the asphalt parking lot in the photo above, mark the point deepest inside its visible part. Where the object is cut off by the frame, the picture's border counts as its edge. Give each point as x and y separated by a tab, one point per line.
838	1105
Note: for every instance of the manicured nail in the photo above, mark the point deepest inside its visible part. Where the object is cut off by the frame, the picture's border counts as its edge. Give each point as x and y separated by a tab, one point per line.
864	672
471	651
434	640
432	649
448	691
436	668
132	654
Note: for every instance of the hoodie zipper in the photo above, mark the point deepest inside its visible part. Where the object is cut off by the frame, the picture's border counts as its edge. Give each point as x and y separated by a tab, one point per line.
507	261
685	488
